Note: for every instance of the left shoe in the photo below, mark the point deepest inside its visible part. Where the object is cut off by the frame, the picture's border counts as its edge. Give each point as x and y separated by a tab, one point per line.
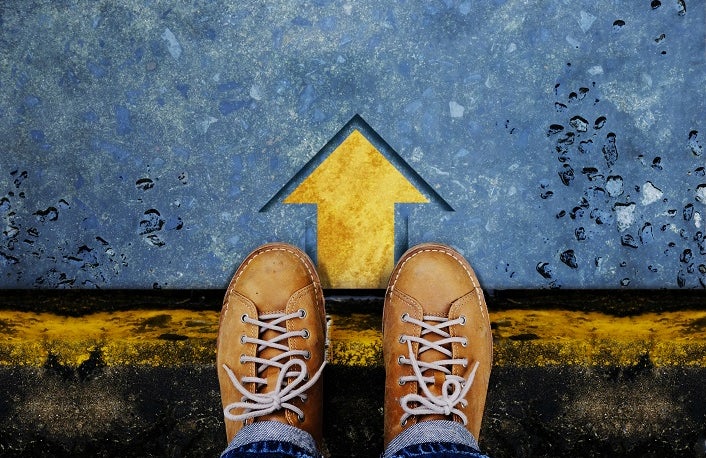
270	350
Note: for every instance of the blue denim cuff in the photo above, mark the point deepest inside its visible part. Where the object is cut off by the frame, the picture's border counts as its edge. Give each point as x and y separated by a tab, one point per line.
426	432
438	450
261	431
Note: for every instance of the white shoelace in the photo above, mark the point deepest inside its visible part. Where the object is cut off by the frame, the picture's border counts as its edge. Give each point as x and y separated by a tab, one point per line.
454	389
258	404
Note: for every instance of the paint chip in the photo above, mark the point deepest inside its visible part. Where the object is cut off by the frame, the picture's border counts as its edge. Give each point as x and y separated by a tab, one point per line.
173	45
586	20
625	215
650	193
595	70
256	92
701	193
456	109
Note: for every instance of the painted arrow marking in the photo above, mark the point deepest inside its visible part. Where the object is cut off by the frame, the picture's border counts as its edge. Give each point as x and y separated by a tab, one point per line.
355	189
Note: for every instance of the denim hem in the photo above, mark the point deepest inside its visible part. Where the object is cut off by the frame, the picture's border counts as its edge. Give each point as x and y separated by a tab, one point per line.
438	450
427	432
262	431
267	449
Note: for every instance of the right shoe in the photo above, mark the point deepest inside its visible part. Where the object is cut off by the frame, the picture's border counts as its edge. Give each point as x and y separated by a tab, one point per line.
437	342
270	350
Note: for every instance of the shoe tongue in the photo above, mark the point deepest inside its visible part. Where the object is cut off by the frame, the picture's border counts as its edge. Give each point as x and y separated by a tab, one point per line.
272	308
432	355
271	373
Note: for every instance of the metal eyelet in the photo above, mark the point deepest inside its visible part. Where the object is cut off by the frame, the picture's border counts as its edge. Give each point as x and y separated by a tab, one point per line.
300	418
401	382
404	317
403	422
305	333
242	339
464	344
302	313
403	339
307	355
244	317
463	320
400	360
242	359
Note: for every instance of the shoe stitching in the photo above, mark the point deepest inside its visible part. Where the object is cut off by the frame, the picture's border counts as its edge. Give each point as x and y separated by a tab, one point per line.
304	261
476	287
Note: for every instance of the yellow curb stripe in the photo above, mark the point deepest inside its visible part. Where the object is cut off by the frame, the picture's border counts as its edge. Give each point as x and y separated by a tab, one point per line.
525	338
161	337
557	337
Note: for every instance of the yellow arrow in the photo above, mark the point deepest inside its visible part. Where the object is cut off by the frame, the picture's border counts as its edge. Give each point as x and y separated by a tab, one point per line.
355	189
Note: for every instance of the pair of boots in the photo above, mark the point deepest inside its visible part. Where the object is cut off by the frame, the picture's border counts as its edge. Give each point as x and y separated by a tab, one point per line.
437	347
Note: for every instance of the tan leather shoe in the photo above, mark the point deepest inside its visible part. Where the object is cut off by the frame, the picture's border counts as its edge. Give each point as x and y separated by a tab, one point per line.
437	343
271	341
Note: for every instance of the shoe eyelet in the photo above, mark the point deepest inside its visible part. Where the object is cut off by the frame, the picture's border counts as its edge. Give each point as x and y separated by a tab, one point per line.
400	360
307	355
401	382
305	333
464	344
404	317
300	418
403	423
463	320
302	313
244	317
403	339
242	339
242	359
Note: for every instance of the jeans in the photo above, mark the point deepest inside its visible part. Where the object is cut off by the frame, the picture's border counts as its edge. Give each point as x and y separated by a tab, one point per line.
270	439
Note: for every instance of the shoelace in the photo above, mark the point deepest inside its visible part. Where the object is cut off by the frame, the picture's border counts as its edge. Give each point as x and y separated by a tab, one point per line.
258	404
454	389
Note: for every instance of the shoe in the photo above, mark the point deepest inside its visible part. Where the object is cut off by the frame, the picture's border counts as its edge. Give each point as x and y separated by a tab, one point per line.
437	342
270	350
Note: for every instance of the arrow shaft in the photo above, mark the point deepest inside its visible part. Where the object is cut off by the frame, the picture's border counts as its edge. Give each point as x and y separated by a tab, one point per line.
355	252
355	190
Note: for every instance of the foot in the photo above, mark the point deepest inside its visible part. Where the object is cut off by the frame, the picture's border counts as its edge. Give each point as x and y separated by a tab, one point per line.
437	343
270	353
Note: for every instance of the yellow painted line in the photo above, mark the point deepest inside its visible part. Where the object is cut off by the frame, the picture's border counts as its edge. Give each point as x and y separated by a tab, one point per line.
355	340
156	338
557	337
355	189
521	338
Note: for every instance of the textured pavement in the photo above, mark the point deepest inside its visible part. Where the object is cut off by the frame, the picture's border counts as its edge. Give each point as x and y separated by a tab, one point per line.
142	139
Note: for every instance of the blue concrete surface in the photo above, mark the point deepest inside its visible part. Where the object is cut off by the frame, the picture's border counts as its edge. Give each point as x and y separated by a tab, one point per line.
140	139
